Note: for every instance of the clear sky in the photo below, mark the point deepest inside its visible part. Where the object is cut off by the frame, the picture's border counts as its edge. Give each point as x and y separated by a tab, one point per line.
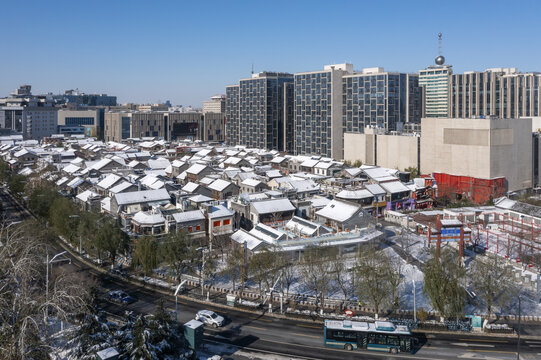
187	51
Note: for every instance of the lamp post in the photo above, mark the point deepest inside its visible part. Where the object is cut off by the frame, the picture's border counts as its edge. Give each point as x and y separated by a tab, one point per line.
414	302
47	288
176	298
201	273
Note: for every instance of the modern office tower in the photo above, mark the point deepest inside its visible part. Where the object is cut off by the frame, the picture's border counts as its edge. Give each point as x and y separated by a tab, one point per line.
232	115
32	116
80	98
117	126
289	114
318	111
213	127
216	104
501	92
435	82
380	99
182	125
260	114
88	122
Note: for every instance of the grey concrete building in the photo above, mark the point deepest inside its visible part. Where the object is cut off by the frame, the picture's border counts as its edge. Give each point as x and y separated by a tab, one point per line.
117	126
501	92
258	119
318	111
380	99
232	115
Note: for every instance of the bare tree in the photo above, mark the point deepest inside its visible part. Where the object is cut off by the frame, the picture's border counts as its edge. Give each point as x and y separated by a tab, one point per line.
493	282
316	270
234	263
23	304
340	275
289	276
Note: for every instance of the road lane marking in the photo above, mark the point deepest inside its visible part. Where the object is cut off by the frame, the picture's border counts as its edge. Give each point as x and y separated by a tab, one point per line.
492	351
311	326
478	345
534	346
483	340
253	327
305	335
532	342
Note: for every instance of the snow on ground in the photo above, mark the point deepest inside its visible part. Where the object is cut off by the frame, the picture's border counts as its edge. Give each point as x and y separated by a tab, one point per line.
229	351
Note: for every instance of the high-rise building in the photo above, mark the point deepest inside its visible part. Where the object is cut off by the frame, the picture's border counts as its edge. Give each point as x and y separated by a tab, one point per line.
117	126
216	104
34	117
182	125
500	92
258	119
435	82
380	99
318	111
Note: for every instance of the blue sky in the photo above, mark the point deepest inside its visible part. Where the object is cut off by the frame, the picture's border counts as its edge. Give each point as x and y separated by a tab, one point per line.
145	51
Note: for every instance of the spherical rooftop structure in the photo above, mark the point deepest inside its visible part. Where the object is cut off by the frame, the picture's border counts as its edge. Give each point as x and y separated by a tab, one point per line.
440	60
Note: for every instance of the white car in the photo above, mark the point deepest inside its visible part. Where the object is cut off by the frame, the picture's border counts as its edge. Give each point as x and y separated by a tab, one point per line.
209	318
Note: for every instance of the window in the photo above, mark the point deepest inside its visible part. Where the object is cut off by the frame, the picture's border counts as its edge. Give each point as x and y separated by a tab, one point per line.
216	223
227	222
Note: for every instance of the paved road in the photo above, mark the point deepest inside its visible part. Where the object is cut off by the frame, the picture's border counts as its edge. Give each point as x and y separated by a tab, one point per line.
286	337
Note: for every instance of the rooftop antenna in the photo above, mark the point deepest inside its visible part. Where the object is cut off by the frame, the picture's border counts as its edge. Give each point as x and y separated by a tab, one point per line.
252	68
440	60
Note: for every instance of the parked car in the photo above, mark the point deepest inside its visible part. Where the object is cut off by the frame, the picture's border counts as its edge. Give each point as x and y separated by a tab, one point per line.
120	297
208	317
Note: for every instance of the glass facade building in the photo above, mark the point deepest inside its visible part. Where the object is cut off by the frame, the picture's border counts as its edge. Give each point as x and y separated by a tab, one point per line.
257	117
381	99
500	92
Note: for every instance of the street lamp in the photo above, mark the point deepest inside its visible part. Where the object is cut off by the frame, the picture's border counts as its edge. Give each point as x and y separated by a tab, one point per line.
201	274
176	298
47	287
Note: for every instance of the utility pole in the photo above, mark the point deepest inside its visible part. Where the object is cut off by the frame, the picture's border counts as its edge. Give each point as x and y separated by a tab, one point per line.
518	341
414	302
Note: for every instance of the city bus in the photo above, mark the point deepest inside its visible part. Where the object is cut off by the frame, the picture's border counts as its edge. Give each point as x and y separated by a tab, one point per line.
378	336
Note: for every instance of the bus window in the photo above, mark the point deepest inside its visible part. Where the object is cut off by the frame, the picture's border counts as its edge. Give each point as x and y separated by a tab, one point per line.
372	338
350	336
381	339
393	340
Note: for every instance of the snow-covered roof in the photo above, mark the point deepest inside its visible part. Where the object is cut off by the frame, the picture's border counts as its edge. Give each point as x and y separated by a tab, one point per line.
187	216
190	187
159	163
278	160
148	218
200	198
354	194
219	211
377	173
75	182
375	189
219	185
85	195
309	163
196	169
108	181
272	206
302	226
62	181
251	182
394	187
319	201
241	237
338	210
134	197
353	171
267	233
123	185
71	168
